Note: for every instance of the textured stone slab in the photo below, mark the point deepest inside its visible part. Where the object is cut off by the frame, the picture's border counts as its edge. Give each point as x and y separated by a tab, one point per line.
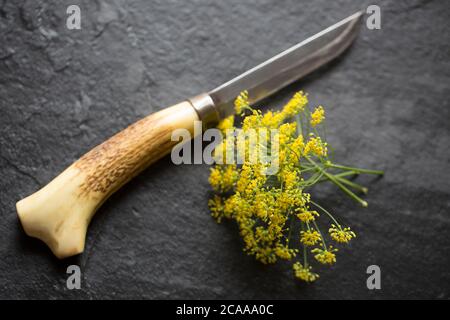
64	91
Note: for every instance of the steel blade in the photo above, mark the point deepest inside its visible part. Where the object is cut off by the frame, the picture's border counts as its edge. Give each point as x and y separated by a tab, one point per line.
288	66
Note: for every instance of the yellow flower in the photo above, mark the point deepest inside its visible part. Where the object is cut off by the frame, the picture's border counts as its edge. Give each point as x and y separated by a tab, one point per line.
223	179
215	179
216	208
297	147
229	177
325	256
230	206
317	116
262	205
341	235
304	273
295	105
284	252
288	129
272	120
251	121
241	103
310	237
307	216
227	123
316	146
289	178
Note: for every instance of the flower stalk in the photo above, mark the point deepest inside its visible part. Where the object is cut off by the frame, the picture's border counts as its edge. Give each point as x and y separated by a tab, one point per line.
267	206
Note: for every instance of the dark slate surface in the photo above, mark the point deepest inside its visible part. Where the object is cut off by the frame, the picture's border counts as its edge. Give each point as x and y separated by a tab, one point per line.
62	92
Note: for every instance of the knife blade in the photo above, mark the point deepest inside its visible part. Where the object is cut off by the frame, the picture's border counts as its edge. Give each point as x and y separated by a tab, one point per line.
282	69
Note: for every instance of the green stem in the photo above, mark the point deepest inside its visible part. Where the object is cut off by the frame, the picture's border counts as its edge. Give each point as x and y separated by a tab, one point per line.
307	226
305	261
356	170
299	125
305	115
306	169
339	184
353	185
345	174
340	175
321	236
290	229
313	179
326	211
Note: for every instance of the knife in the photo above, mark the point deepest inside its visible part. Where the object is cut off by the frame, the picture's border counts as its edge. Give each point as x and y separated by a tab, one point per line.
60	212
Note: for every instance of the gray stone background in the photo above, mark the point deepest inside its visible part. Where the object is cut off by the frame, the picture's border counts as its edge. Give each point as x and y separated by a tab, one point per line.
63	92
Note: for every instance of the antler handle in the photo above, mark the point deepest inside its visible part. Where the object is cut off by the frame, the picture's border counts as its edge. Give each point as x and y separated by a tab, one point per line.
60	212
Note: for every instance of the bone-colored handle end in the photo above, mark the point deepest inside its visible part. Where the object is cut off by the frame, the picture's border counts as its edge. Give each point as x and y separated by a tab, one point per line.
56	214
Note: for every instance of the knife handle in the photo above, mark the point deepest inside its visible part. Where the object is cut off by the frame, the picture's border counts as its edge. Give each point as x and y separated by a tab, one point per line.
60	212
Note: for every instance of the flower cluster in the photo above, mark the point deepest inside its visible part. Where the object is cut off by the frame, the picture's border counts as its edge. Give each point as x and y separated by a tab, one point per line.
304	273
317	116
325	256
342	235
275	213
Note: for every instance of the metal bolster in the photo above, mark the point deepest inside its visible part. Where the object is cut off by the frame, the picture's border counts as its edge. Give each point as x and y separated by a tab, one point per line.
206	110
